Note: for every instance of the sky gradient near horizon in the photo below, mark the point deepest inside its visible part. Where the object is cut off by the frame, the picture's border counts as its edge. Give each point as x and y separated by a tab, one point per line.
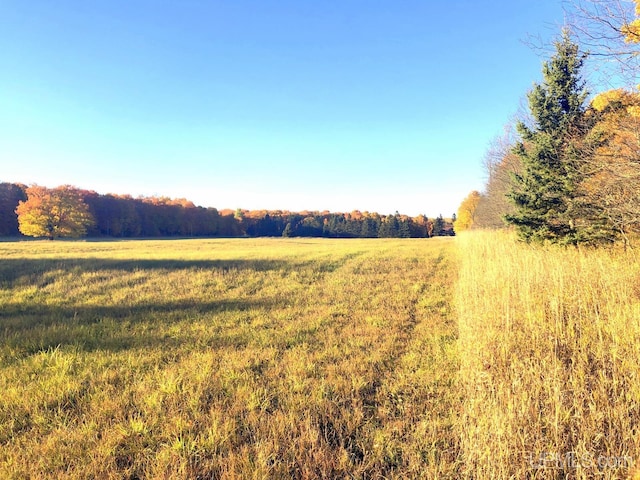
299	105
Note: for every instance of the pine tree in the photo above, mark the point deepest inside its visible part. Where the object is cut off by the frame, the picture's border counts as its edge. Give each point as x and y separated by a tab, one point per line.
438	226
388	227
288	230
544	191
404	229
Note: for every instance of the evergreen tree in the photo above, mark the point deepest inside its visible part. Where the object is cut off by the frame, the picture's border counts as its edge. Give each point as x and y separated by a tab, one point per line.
388	227
544	192
366	231
394	225
404	228
438	226
288	230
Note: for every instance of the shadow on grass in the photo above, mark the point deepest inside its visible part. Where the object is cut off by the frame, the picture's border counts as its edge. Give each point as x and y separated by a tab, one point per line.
29	329
12	270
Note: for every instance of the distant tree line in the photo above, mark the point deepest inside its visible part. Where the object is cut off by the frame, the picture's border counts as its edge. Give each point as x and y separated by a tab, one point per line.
67	211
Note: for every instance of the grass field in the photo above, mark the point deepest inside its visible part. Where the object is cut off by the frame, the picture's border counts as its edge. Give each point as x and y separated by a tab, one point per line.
549	342
238	358
475	357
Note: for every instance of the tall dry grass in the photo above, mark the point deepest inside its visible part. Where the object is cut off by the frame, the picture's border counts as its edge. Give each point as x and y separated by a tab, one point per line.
550	360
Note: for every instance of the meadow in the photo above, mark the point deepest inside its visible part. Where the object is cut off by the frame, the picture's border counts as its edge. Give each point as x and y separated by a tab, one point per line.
476	357
549	341
228	358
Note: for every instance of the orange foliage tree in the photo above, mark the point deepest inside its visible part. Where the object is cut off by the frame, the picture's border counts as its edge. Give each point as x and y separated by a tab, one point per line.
53	213
612	167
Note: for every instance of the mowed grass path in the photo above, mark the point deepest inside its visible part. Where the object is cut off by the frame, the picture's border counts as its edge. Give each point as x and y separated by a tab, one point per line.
240	358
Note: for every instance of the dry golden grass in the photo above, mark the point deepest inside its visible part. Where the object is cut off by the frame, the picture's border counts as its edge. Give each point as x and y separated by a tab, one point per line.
273	358
228	359
549	346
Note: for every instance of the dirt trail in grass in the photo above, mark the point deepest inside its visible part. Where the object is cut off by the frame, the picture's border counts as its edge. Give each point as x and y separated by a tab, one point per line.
401	315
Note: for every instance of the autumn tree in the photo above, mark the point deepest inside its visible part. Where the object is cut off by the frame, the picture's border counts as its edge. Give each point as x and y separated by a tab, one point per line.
420	226
543	193
501	165
611	187
465	218
53	213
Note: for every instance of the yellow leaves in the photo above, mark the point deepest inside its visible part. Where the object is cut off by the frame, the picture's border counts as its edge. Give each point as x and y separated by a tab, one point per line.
631	30
466	211
51	213
604	99
634	111
618	98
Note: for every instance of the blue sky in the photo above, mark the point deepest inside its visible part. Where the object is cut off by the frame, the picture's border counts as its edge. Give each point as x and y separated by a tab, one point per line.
333	104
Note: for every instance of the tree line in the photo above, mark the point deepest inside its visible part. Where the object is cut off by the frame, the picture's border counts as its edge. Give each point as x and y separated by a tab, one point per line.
568	171
67	211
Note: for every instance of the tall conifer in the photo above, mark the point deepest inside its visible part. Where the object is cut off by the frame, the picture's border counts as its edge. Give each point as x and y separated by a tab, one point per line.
544	192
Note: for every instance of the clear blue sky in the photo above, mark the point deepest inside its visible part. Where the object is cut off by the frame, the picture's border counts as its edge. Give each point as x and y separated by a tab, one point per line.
305	104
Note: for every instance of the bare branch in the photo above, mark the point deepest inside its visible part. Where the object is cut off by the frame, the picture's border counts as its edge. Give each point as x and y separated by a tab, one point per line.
599	26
